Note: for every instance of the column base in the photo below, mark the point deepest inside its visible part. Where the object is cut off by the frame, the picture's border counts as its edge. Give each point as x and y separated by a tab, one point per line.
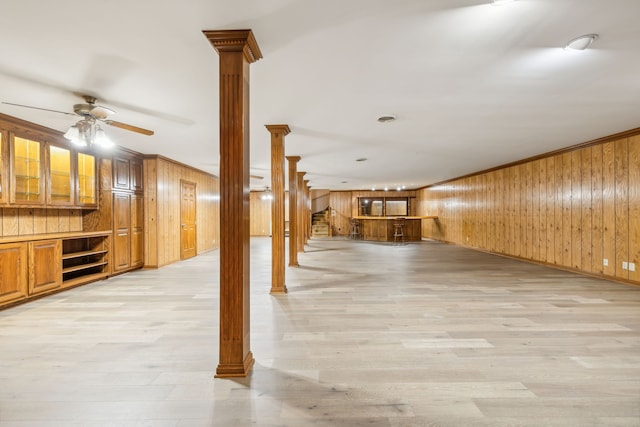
235	370
278	291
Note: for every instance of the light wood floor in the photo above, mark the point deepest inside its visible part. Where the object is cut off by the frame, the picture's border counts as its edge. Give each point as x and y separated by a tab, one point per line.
425	334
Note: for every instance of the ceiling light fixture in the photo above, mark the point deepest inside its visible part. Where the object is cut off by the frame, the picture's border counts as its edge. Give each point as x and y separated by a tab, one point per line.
386	118
87	133
501	2
582	42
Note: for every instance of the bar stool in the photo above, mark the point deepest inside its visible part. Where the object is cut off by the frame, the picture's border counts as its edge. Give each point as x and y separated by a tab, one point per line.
398	231
354	232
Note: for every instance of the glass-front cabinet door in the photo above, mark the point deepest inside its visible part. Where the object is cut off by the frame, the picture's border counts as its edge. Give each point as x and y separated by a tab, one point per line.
60	176
86	164
3	170
27	171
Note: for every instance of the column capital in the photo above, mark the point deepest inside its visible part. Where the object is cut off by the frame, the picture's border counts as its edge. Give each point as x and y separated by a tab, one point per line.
293	158
235	41
283	129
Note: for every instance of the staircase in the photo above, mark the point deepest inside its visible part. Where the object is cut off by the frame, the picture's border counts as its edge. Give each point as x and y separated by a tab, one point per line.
320	224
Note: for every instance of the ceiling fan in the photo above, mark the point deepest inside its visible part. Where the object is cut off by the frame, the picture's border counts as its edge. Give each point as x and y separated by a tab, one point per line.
87	130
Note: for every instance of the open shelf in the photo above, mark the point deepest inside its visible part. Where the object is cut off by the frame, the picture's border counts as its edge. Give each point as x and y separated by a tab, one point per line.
84	259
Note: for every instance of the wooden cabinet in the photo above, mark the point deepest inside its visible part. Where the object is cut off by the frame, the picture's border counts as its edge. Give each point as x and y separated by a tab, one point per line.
127	173
40	264
128	231
27	171
60	173
121	232
137	230
36	172
45	268
13	272
137	178
87	180
128	213
3	168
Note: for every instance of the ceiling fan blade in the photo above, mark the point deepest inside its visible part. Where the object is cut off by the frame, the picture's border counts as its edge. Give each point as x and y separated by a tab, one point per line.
100	112
38	108
128	127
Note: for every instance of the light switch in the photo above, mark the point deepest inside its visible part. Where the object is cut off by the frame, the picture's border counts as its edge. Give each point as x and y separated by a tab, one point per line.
632	266
625	265
605	262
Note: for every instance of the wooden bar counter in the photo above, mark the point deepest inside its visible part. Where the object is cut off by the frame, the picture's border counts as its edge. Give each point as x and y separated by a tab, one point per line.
381	228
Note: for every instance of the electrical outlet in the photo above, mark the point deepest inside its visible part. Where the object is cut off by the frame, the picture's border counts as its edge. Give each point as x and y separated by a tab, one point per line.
625	265
605	262
632	266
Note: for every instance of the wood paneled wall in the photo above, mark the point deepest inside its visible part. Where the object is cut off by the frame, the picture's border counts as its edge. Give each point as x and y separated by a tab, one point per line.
19	222
162	209
573	209
260	214
340	202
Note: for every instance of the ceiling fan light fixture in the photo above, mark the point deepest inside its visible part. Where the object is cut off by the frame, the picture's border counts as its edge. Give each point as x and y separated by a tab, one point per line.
101	139
581	43
73	135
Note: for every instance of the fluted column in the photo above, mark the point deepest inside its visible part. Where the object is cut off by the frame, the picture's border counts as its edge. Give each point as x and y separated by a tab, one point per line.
307	198
278	132
293	210
301	212
237	49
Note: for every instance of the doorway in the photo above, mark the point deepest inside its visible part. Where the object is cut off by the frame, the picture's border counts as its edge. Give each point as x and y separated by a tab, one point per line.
187	219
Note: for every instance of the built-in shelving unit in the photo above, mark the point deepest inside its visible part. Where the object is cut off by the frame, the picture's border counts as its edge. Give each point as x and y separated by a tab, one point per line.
84	259
48	263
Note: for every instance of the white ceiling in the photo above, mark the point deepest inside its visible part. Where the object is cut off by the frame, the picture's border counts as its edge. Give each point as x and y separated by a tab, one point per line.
473	85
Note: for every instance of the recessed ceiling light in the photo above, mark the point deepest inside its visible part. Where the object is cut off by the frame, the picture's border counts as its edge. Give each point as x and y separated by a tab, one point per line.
361	159
500	2
386	118
582	42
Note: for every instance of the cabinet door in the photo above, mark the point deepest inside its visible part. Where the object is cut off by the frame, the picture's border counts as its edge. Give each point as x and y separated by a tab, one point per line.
13	272
45	265
121	232
137	230
136	175
3	169
87	182
60	174
27	171
121	173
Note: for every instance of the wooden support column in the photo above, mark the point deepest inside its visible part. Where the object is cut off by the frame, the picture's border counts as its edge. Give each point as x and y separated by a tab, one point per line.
293	210
278	132
307	198
237	49
301	212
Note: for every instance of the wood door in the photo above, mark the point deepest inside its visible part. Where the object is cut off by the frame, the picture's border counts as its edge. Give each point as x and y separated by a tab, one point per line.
13	272
45	265
187	219
137	230
121	232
